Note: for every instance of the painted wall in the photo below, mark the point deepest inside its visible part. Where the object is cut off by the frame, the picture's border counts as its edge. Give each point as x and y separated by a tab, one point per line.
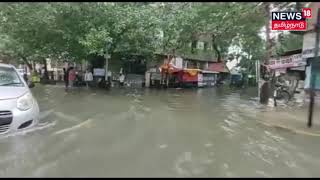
316	71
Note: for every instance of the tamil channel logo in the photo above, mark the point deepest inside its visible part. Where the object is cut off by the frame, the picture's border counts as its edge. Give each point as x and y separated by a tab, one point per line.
291	21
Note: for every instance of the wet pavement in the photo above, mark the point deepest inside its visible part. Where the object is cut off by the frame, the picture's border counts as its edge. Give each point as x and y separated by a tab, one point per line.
211	132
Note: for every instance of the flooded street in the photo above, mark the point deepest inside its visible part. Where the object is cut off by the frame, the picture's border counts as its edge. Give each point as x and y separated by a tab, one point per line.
210	132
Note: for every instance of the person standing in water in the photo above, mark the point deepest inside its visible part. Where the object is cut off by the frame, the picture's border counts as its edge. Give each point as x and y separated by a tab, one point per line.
71	77
121	79
88	78
65	78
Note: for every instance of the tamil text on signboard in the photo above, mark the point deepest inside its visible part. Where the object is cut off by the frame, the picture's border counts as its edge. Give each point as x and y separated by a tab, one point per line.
295	60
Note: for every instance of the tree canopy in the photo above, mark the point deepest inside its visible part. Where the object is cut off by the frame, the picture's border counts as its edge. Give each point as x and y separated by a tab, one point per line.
72	31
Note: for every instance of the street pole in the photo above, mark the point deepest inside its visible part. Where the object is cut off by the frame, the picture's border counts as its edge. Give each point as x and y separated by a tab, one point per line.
106	56
312	80
106	67
258	76
106	70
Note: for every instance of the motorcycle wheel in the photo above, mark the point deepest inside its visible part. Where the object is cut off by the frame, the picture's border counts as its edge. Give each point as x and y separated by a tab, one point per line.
283	96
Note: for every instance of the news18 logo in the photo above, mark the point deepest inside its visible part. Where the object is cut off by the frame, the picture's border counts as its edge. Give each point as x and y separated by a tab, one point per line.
291	21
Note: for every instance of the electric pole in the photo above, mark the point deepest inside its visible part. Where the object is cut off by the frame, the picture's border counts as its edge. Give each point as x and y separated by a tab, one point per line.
312	80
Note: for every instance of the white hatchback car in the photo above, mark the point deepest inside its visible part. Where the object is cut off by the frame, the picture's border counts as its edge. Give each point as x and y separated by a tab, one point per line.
18	108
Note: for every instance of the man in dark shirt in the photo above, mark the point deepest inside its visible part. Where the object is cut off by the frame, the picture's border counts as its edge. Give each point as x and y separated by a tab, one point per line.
65	77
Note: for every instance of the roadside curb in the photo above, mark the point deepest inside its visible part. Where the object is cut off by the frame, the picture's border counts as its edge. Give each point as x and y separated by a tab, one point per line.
291	129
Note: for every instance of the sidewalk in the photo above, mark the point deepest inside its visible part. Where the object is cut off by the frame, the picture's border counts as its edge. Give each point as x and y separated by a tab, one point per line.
292	119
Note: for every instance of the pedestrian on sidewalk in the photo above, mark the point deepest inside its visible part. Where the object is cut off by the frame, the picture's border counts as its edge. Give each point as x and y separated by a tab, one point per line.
71	77
88	78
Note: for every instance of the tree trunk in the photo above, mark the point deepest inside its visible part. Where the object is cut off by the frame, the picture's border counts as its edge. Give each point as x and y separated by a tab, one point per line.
46	74
25	60
164	44
194	42
34	66
173	55
215	48
298	6
193	46
268	39
265	87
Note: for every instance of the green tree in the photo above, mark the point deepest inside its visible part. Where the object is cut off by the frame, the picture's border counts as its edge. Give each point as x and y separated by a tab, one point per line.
74	30
126	27
30	33
182	24
288	42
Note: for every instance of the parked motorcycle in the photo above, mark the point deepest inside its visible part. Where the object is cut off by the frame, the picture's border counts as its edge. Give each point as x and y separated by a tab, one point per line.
282	93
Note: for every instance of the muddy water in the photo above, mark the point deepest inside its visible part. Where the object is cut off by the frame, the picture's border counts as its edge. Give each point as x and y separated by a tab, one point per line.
151	133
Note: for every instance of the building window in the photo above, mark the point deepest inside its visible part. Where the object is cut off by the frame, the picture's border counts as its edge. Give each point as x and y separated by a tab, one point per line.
185	64
200	45
205	46
206	65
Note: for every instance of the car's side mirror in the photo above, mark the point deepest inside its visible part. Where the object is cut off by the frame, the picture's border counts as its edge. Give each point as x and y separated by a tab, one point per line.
31	84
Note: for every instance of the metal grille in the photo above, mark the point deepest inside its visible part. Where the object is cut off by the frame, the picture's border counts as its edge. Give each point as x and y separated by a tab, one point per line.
5	121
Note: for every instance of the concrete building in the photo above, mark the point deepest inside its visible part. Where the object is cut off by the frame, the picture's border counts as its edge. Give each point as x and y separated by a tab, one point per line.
308	50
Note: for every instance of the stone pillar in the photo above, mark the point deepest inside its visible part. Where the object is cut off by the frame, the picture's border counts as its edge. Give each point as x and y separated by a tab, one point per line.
147	79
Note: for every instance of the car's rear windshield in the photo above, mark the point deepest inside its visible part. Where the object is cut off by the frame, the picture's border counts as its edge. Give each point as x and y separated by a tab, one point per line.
9	77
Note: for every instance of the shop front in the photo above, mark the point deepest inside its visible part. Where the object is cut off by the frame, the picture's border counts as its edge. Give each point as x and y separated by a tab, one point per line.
313	66
209	78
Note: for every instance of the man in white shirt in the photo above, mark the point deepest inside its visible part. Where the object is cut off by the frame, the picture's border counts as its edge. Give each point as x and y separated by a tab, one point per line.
121	79
88	78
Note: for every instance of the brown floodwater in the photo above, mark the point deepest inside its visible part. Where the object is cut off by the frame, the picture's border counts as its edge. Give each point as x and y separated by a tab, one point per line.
212	132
